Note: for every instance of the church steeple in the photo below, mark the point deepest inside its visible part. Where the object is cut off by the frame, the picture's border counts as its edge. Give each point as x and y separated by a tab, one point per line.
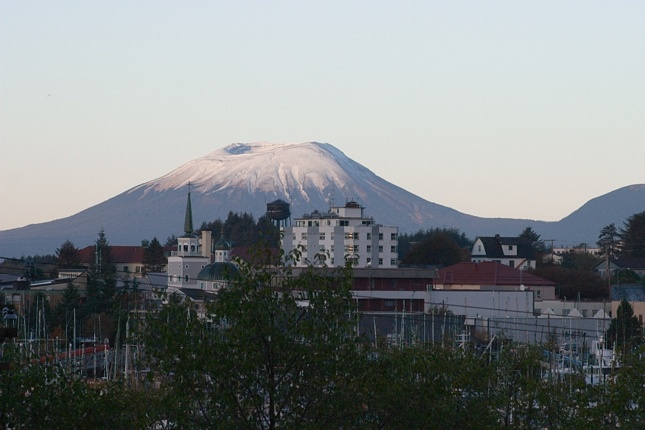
188	222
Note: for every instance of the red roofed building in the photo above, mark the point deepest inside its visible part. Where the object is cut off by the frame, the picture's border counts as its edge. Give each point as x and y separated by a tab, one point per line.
127	259
493	276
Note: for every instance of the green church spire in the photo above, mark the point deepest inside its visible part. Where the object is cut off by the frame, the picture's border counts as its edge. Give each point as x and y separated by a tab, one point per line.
188	222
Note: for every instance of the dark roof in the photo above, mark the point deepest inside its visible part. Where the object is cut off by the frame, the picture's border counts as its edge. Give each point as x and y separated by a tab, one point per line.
223	244
120	254
154	281
630	292
488	273
493	247
630	263
197	294
218	272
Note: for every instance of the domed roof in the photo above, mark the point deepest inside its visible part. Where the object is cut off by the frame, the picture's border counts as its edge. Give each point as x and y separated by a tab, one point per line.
223	244
218	272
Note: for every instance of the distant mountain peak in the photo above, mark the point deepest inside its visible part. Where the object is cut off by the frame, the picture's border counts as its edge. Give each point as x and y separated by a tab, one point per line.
287	169
244	177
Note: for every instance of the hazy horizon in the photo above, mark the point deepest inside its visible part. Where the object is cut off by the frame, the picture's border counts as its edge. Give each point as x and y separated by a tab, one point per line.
494	109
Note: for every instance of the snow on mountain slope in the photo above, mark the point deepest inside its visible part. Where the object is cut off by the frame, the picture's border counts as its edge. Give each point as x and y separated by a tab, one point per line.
286	169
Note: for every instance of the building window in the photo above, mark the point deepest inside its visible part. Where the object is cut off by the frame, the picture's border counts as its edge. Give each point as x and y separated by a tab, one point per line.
380	248
321	248
192	248
332	236
369	248
369	260
322	236
389	303
125	269
538	294
393	262
186	278
343	223
510	247
380	261
137	269
380	236
369	236
393	236
393	248
303	236
332	248
584	313
511	263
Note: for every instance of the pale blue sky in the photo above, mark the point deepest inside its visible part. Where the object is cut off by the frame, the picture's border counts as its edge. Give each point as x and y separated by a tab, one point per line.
494	108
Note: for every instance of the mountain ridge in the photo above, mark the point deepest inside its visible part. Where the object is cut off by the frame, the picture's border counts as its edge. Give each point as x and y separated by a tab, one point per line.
243	177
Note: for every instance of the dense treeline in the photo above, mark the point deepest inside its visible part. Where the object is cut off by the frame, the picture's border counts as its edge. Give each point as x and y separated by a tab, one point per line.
277	351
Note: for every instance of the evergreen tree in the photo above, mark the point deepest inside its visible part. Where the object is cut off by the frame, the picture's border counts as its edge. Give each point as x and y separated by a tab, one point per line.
69	309
437	249
625	329
633	236
68	256
608	241
533	238
170	241
101	286
154	259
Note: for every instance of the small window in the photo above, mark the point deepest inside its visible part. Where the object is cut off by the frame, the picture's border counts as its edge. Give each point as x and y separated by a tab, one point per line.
303	236
393	248
510	247
369	236
369	248
125	269
380	248
186	278
380	261
322	236
380	236
393	236
393	262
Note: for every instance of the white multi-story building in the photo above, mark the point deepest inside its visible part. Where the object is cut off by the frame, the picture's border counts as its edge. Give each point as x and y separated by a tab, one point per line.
344	233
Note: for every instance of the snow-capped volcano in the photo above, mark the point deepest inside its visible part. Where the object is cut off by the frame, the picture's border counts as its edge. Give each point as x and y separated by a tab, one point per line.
244	177
289	170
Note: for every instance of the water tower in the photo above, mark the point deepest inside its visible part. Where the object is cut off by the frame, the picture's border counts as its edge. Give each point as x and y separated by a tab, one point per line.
279	212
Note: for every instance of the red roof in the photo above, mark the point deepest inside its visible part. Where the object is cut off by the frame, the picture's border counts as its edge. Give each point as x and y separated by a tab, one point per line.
120	254
487	273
